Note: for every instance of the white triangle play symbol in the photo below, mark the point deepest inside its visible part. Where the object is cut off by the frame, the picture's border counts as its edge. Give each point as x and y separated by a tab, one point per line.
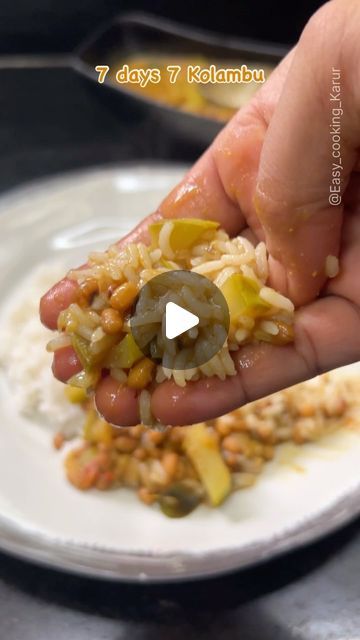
178	320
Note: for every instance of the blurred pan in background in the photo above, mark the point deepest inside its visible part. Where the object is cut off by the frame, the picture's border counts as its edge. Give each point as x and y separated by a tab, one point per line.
197	112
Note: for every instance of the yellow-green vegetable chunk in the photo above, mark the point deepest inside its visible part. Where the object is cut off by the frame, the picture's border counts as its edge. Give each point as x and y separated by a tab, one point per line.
204	453
126	353
75	394
186	231
96	430
87	357
242	296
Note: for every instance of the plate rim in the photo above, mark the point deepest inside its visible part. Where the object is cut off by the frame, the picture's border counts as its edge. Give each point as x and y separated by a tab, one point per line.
48	552
101	563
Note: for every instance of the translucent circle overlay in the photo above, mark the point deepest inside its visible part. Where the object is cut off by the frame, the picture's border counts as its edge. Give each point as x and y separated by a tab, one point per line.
194	293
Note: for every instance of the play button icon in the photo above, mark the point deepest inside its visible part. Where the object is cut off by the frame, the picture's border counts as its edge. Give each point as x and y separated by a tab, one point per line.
181	320
178	320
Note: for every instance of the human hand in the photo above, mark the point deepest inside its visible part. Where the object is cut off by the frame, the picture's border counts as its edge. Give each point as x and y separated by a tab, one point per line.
268	175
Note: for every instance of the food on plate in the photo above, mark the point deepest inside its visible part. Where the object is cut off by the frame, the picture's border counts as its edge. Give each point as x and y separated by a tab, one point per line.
34	390
175	470
183	467
182	94
99	325
202	448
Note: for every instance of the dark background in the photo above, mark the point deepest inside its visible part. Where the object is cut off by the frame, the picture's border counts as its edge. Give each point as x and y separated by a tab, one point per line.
52	121
59	25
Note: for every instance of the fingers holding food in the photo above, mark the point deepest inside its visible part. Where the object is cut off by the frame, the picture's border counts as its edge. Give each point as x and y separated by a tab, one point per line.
58	298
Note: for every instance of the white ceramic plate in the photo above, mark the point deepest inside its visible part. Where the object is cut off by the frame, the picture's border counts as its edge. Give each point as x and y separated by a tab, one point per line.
112	534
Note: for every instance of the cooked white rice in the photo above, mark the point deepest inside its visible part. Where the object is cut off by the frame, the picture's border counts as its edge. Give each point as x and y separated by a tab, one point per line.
27	364
332	266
